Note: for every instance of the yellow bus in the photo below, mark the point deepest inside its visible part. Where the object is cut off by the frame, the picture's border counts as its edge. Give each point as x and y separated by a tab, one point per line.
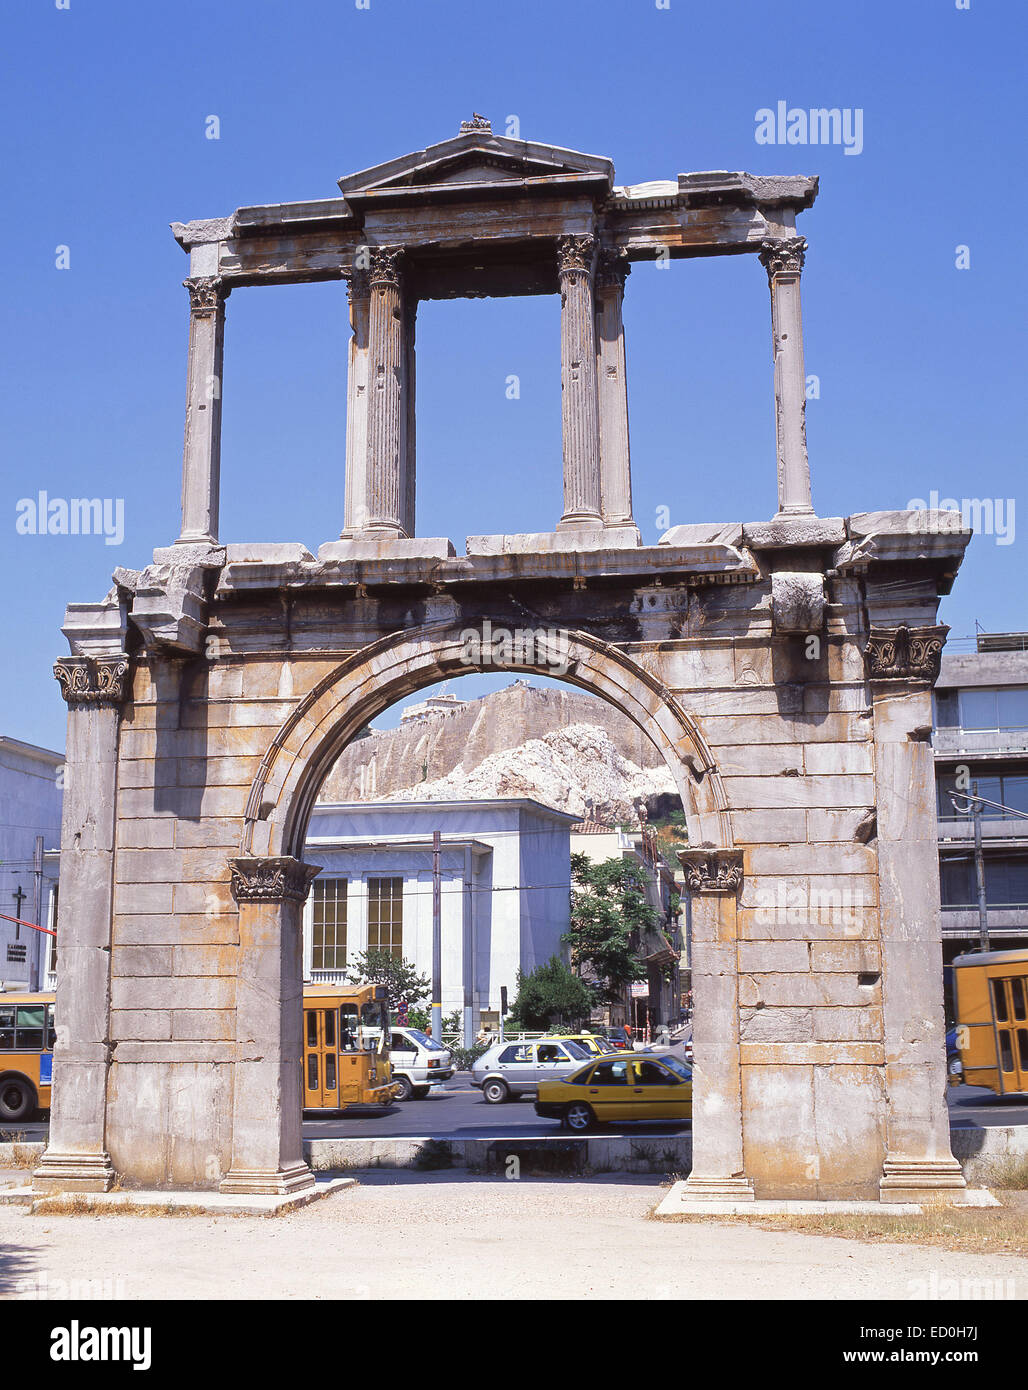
346	1047
345	1050
26	1054
992	1019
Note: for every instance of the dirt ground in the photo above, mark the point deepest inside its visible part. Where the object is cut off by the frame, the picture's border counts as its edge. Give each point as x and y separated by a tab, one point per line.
440	1235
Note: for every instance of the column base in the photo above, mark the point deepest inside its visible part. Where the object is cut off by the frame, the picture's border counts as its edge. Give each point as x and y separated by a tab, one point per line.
267	1182
73	1172
922	1180
581	521
698	1189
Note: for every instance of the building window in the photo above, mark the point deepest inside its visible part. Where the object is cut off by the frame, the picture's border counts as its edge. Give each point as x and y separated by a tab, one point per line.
385	915
1008	789
329	935
1006	881
52	924
1006	707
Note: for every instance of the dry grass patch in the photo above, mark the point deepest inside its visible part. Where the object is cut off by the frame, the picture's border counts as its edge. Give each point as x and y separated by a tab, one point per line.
84	1204
999	1230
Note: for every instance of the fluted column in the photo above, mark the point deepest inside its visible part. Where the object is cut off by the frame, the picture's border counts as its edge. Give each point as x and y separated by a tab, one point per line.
76	1157
579	404
355	511
201	459
385	494
409	452
783	260
267	1145
612	388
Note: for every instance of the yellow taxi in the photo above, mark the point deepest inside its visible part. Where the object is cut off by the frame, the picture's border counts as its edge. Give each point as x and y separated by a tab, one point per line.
591	1042
613	1089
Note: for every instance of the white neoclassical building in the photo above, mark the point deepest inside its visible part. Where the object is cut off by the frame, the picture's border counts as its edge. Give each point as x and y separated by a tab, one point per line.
505	881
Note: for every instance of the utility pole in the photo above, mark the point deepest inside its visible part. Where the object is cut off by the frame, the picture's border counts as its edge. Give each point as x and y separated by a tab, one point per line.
38	958
979	869
437	937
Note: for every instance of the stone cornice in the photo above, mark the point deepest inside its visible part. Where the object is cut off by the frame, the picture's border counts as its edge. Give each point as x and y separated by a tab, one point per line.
905	653
276	879
712	870
93	680
783	255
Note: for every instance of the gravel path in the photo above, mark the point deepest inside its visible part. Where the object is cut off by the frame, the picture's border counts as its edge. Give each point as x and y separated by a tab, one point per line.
438	1235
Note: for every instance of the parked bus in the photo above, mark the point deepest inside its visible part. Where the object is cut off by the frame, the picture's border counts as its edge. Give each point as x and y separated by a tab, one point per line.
992	1019
345	1050
26	1054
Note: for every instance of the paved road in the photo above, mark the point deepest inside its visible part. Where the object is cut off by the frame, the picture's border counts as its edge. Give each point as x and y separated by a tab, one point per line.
458	1111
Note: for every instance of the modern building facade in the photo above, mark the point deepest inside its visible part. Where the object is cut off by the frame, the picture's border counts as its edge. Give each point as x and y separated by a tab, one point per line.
981	739
30	836
505	870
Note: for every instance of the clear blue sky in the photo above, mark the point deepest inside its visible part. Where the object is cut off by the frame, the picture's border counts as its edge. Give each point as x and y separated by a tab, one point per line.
922	365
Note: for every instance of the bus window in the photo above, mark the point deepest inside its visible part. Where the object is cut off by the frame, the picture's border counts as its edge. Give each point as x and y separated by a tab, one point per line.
1006	1056
1017	992
348	1028
1022	1048
29	1027
330	1029
330	1067
312	1028
312	1070
51	1027
999	1003
6	1028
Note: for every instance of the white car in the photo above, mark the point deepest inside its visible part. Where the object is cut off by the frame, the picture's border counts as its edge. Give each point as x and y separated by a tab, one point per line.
418	1062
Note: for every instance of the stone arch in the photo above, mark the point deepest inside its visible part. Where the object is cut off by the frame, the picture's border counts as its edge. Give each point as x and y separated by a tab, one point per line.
286	785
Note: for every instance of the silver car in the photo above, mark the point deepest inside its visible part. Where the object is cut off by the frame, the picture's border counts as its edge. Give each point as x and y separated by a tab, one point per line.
510	1070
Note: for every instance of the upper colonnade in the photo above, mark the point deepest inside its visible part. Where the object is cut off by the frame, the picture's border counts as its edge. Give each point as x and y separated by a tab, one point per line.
485	215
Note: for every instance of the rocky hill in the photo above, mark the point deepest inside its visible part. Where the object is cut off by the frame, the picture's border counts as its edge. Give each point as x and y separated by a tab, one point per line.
570	751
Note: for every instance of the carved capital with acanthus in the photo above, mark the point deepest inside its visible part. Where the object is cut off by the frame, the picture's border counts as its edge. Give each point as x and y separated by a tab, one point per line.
384	266
207	293
276	879
712	870
612	268
358	283
93	680
782	255
575	254
905	653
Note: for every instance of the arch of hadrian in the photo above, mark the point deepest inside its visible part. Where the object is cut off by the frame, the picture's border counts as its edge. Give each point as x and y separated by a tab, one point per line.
783	667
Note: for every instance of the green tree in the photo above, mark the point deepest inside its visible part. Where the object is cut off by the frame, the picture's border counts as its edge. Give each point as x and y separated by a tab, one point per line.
399	976
608	912
550	996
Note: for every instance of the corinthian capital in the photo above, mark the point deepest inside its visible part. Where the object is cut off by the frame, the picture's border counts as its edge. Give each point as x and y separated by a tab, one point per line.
575	254
270	880
93	680
358	283
782	255
905	653
206	293
385	265
712	870
612	268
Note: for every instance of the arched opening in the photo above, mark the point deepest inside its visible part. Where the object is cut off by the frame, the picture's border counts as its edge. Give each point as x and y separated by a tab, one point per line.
284	793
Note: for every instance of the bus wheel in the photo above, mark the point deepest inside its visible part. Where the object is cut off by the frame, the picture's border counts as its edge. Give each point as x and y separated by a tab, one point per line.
406	1089
17	1099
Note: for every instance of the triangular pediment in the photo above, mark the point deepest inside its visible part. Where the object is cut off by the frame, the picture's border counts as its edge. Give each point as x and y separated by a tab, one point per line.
476	157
